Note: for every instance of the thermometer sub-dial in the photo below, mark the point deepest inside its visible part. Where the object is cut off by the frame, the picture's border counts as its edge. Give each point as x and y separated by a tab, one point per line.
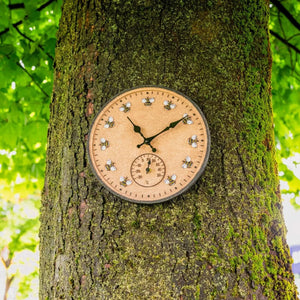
148	170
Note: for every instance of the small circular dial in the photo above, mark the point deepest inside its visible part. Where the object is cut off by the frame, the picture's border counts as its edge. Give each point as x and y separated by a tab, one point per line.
148	170
149	144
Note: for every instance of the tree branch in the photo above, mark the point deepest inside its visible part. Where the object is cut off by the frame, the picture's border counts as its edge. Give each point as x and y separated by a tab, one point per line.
285	37
21	21
291	37
32	41
16	6
23	34
285	41
37	84
282	9
45	5
7	286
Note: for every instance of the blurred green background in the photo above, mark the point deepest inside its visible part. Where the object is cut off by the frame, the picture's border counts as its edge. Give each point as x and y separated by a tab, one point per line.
27	34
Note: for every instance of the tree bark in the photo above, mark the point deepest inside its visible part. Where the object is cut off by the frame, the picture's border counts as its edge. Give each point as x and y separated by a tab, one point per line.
225	237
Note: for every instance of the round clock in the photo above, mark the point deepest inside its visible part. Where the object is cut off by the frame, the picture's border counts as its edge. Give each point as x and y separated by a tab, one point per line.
149	144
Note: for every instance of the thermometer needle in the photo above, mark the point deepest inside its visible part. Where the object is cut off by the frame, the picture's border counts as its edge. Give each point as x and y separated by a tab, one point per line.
148	168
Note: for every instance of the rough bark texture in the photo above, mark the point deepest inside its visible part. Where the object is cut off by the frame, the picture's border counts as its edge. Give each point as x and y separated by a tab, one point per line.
224	238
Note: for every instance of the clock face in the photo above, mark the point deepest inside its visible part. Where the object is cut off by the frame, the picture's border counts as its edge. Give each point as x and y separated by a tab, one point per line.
149	144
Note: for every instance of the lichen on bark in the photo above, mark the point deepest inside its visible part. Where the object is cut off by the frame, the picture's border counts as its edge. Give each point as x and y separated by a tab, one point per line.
225	237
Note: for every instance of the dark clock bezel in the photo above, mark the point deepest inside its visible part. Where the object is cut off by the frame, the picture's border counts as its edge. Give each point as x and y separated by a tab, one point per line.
181	191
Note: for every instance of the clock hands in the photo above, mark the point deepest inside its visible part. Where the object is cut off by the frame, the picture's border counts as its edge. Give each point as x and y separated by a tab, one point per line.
171	125
138	130
147	141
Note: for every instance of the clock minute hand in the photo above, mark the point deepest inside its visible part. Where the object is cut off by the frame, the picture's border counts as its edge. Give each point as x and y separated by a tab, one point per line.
148	141
171	125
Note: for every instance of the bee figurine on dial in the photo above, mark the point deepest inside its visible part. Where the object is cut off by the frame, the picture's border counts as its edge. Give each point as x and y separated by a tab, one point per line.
149	144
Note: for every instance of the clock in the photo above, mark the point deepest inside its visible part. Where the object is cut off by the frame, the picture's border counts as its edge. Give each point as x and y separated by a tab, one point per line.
149	144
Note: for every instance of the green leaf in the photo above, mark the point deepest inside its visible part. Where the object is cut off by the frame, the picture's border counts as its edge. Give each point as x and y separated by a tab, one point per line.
35	132
31	59
6	49
4	16
9	136
33	16
50	45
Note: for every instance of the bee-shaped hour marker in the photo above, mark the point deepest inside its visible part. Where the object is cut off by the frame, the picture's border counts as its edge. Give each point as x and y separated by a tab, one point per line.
187	119
148	101
124	181
169	105
187	163
171	180
125	107
193	141
104	144
110	166
109	123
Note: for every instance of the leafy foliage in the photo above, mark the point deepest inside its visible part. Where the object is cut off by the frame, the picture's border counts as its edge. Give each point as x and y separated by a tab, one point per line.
19	225
26	67
27	33
286	88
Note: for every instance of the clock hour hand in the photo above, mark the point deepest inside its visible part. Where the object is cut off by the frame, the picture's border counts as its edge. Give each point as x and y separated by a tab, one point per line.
138	130
147	141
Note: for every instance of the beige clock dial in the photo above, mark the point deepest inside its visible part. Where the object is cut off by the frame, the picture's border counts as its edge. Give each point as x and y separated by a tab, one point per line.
149	144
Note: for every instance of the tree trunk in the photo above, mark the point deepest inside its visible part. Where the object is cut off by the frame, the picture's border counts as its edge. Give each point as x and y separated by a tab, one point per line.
225	237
